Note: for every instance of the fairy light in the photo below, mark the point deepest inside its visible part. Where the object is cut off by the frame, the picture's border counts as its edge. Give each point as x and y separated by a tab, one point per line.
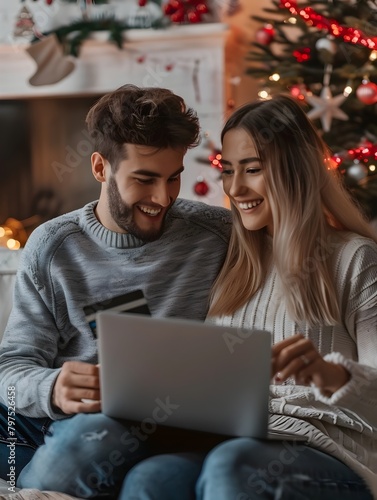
373	55
296	92
275	77
263	94
5	232
13	244
292	20
313	18
331	163
215	160
347	91
12	234
364	154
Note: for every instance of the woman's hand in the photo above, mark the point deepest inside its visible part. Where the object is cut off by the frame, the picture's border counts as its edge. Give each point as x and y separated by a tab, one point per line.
297	357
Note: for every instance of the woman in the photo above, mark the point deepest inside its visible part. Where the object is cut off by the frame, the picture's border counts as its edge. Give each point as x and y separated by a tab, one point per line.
302	264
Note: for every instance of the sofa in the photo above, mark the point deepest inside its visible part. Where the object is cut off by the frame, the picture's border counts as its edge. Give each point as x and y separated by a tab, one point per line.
9	261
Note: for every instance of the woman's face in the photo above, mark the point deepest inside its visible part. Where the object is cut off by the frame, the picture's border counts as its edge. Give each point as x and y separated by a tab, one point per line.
243	180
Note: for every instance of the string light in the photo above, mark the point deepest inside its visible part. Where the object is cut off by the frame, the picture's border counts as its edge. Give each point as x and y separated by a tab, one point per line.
373	55
7	240
264	94
275	77
215	160
313	18
363	154
12	234
347	91
13	244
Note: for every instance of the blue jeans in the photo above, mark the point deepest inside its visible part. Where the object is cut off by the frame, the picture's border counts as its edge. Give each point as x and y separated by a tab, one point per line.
89	455
246	469
19	448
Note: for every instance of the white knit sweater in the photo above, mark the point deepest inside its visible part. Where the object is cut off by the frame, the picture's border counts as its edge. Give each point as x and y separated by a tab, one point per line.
344	425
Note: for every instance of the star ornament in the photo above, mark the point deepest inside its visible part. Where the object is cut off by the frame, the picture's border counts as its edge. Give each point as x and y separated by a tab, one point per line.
326	107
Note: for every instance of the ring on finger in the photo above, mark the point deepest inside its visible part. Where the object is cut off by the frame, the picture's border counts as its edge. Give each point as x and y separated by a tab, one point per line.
305	359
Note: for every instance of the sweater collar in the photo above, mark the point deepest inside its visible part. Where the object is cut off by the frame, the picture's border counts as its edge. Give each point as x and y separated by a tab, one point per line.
109	238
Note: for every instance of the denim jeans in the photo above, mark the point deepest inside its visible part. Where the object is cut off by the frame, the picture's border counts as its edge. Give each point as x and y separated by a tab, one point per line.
86	456
28	435
246	469
89	455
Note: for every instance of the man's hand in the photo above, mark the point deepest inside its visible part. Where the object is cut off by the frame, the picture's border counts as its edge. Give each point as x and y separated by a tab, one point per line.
77	381
297	357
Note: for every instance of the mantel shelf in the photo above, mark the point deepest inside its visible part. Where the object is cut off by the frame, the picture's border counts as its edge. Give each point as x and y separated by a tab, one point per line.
102	66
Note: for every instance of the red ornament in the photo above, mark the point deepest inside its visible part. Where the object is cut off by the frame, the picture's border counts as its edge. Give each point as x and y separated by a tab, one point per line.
178	16
186	11
169	9
367	93
265	35
49	2
202	8
201	188
302	55
142	3
194	17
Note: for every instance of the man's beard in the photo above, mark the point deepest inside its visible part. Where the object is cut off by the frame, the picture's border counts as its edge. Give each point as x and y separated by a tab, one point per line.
122	215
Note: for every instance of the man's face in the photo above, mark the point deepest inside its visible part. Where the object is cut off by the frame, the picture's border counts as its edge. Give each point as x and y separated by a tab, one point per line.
143	189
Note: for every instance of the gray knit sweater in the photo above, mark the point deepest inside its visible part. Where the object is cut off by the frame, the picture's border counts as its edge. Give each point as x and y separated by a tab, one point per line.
73	261
344	425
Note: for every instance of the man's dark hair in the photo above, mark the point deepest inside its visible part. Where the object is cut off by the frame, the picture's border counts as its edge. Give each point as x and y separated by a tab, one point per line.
147	116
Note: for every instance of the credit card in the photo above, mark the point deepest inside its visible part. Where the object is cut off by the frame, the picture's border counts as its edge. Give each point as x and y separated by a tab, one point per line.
131	302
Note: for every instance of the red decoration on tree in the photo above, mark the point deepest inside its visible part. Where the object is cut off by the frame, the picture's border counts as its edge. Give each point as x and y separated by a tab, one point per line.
183	11
265	35
302	55
367	92
201	188
142	3
313	18
365	153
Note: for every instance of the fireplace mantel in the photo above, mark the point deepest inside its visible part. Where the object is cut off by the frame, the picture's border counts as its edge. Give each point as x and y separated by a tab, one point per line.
149	57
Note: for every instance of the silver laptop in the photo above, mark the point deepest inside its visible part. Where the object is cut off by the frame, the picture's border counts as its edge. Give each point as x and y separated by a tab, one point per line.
183	373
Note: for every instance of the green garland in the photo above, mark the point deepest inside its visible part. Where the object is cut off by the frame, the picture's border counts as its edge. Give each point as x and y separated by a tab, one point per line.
81	30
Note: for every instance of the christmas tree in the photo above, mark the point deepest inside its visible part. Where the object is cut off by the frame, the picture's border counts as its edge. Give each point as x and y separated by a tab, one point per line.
325	54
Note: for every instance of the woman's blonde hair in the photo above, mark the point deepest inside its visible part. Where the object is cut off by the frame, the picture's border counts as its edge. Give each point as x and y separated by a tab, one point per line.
308	202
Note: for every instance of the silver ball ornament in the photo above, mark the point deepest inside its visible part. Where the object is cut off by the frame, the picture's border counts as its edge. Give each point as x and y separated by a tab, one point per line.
357	171
326	44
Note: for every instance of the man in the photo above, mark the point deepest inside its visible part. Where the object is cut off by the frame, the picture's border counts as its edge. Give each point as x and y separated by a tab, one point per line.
137	236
